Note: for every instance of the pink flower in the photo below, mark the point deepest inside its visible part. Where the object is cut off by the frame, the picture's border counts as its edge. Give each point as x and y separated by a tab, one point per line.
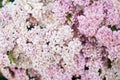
95	13
89	23
104	36
55	73
112	17
116	37
62	8
5	17
111	12
18	74
85	27
114	52
80	63
82	2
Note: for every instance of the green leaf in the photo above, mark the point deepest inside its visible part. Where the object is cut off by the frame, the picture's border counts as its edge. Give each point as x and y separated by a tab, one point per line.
1	4
2	77
69	17
100	71
113	28
11	73
10	57
27	73
30	5
7	67
41	27
109	63
6	2
10	0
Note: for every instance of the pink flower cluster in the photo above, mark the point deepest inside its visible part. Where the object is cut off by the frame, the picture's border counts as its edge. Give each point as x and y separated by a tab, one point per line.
62	8
91	20
83	44
94	16
99	19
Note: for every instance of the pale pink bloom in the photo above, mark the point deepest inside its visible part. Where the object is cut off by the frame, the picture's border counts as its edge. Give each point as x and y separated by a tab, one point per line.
104	36
82	2
92	73
114	52
18	74
89	23
111	12
94	13
118	26
85	27
55	73
112	17
5	17
116	37
80	64
91	76
62	8
4	60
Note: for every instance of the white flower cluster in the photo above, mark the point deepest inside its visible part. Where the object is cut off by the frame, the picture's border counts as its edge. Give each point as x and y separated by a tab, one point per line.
45	44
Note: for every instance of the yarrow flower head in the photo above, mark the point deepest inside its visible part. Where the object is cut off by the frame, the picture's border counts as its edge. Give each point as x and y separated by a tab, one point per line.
62	9
59	39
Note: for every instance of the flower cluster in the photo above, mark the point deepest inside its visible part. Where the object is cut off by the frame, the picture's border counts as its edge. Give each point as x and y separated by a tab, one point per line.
60	39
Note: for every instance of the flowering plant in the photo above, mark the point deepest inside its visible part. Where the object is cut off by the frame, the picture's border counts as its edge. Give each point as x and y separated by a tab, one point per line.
59	40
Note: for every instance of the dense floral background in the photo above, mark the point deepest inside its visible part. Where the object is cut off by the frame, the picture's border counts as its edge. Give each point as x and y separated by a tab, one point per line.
59	39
